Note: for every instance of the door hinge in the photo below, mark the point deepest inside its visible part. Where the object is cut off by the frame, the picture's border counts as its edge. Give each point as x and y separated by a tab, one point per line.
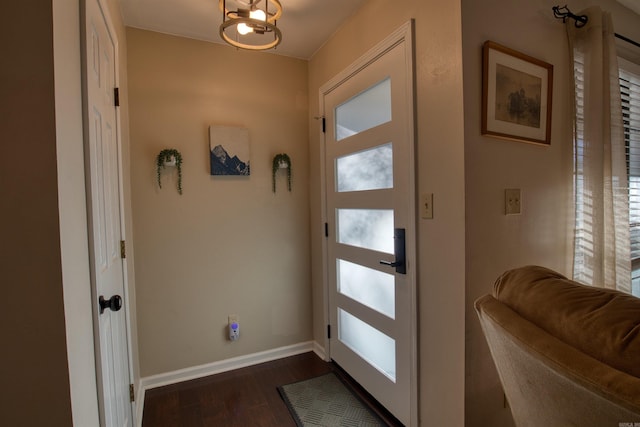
324	125
329	332
326	229
132	394
123	250
116	96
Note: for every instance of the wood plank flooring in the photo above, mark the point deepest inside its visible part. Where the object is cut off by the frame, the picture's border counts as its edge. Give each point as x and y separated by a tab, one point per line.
240	398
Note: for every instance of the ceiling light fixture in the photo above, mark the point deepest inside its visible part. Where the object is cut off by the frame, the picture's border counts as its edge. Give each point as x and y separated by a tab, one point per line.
249	26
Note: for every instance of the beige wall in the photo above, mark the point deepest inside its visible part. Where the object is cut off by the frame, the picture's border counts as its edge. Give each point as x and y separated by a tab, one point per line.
32	325
228	245
496	242
440	166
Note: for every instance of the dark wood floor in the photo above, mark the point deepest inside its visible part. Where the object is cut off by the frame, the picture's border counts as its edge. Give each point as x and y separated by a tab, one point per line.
244	397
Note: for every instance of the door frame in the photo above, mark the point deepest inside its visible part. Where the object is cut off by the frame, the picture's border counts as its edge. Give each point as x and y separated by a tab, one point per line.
403	34
121	202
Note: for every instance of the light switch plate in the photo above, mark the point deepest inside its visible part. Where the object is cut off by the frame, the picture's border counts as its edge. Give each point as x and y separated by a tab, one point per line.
512	201
426	206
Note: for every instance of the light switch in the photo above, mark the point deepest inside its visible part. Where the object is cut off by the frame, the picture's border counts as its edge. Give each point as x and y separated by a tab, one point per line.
512	201
426	206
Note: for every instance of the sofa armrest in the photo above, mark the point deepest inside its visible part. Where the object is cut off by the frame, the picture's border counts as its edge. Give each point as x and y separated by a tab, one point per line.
550	383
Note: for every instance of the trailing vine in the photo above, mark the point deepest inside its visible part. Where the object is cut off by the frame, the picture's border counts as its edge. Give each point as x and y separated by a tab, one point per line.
168	155
281	158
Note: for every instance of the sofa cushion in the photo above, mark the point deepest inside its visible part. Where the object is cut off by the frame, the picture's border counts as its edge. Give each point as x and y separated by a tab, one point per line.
602	323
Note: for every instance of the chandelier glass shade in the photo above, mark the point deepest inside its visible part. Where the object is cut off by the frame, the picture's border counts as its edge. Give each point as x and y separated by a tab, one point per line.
252	25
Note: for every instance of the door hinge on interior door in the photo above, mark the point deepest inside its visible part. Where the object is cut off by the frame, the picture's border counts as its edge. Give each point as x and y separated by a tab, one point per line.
123	250
329	332
116	96
324	125
132	394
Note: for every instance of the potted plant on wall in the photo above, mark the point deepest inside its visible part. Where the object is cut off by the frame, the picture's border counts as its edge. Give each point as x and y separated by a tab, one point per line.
169	157
281	161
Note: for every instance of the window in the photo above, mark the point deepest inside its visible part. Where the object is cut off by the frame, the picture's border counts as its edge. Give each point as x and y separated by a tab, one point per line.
630	92
586	224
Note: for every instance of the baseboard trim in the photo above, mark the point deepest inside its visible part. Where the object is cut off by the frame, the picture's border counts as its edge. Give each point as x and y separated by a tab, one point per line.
218	367
319	351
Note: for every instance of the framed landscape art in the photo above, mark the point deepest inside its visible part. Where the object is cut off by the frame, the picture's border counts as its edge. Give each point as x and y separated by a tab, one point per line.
229	150
516	95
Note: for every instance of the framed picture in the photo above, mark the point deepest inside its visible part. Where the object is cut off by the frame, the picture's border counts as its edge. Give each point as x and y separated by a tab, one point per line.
229	150
516	95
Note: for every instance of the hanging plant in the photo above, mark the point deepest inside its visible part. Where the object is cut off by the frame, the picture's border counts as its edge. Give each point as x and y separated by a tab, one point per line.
169	157
281	161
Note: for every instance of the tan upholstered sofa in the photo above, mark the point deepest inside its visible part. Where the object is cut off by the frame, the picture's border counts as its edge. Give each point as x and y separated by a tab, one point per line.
567	354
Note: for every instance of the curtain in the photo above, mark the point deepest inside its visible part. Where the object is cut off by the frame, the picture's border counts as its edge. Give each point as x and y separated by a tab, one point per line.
601	241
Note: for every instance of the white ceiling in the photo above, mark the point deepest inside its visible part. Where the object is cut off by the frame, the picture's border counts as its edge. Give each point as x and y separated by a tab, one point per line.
631	4
305	24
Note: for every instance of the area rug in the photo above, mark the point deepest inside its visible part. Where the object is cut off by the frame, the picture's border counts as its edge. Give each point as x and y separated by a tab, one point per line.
326	401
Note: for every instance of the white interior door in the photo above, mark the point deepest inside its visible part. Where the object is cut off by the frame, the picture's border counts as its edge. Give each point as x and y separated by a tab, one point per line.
105	219
370	189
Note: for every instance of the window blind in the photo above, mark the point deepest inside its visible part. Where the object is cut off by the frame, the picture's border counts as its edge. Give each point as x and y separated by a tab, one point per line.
629	78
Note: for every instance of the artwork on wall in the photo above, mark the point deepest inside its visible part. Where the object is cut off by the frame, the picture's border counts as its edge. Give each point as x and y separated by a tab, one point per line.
516	95
229	150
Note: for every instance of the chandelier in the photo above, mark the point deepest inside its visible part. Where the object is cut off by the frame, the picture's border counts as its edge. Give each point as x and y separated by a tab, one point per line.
250	26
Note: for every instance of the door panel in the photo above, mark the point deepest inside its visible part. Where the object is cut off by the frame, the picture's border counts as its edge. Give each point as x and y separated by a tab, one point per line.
369	187
105	218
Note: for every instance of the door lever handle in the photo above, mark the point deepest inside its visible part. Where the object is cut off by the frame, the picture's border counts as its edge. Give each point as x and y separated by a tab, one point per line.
399	249
390	263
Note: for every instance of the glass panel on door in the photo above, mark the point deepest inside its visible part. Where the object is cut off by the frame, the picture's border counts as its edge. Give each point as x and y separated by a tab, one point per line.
369	343
364	111
370	169
366	228
370	287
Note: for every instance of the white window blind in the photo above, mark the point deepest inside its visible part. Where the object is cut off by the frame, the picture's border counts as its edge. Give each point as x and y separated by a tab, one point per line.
630	92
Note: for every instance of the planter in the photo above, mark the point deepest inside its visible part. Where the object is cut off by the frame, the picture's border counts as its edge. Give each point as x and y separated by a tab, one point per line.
281	161
169	157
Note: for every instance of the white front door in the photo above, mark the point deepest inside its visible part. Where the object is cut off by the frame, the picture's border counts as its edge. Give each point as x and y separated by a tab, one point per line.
103	172
369	177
